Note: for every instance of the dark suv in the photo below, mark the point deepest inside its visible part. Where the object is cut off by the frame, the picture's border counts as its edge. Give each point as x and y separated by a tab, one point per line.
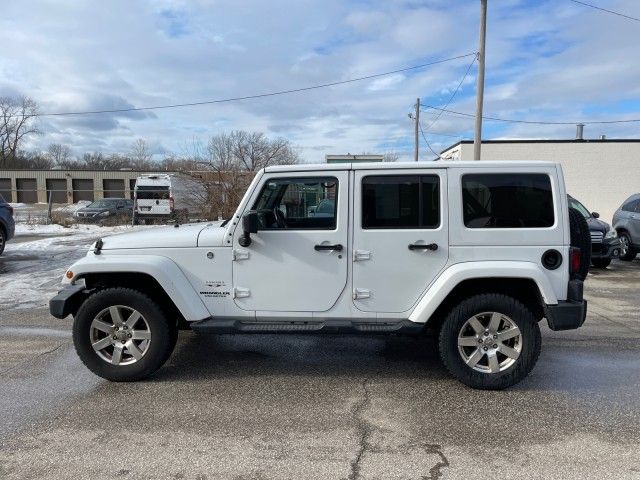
605	244
7	225
626	221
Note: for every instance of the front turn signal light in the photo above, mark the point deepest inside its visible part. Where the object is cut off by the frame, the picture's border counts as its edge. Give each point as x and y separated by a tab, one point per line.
69	274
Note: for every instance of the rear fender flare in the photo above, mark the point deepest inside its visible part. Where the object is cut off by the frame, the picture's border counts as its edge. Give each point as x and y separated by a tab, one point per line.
455	274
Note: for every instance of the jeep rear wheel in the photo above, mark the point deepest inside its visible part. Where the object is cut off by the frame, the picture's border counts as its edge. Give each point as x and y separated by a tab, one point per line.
490	341
122	335
3	240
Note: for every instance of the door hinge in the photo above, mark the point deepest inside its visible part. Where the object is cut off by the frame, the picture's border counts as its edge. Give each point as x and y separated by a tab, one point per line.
359	293
240	254
359	255
239	292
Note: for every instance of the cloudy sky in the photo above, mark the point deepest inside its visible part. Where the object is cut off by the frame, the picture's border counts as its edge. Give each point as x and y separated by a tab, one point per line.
546	60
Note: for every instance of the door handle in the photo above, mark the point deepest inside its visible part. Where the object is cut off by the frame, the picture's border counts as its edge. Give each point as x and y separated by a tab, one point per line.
337	247
422	246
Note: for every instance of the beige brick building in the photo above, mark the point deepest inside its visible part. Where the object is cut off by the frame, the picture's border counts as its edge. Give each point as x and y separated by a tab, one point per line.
600	173
66	186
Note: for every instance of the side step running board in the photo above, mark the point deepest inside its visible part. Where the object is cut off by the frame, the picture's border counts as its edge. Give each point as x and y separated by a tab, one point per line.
223	325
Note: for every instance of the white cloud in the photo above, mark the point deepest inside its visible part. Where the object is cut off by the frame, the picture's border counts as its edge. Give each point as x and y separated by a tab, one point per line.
548	60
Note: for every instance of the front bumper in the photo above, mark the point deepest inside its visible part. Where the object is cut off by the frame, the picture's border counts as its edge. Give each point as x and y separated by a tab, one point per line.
606	249
67	301
568	314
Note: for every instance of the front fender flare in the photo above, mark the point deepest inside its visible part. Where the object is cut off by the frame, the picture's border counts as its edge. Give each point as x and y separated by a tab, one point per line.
459	272
163	269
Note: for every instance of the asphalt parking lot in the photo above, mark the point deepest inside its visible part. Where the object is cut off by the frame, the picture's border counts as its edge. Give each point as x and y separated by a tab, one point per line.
326	406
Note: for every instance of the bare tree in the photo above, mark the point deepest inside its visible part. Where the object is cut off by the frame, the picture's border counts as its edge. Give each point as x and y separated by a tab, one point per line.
141	154
390	157
59	154
233	159
16	122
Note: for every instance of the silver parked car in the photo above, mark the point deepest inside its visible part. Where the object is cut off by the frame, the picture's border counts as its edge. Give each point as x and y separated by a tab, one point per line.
626	221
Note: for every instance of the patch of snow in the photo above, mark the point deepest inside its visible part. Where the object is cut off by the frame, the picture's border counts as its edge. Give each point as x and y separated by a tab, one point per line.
31	272
18	205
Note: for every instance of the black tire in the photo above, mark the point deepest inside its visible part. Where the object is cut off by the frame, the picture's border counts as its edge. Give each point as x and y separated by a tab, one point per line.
3	240
580	238
490	302
631	252
163	334
601	262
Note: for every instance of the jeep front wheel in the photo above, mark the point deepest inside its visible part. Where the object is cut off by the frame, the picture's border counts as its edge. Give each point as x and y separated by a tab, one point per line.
122	335
490	341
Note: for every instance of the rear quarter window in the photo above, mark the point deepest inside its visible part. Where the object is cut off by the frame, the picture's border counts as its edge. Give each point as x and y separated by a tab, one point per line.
507	200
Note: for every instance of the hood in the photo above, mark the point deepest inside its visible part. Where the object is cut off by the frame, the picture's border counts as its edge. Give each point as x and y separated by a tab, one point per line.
597	225
163	237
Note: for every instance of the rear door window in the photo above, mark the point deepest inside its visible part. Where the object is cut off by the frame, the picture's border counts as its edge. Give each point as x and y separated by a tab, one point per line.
401	201
152	192
507	200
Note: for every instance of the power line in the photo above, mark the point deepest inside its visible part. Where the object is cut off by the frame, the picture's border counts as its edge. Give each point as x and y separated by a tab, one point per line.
605	10
427	141
453	94
259	95
535	122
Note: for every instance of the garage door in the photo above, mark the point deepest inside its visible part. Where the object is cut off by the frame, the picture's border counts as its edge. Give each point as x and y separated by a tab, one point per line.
57	188
5	189
82	190
113	188
27	190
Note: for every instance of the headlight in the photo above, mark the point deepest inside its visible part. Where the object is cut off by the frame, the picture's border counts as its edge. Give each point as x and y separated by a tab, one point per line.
611	234
103	214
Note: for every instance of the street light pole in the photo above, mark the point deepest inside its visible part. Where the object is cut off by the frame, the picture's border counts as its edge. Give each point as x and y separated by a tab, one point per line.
477	139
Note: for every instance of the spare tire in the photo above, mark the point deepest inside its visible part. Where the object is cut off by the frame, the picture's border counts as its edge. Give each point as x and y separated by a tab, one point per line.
580	238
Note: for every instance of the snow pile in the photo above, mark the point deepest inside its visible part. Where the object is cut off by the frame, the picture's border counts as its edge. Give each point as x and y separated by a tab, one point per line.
31	272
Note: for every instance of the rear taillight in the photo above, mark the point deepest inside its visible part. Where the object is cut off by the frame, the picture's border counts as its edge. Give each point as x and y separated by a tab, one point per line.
171	203
575	259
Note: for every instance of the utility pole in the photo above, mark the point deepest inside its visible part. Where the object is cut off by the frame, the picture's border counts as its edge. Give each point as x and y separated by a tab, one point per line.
477	139
417	127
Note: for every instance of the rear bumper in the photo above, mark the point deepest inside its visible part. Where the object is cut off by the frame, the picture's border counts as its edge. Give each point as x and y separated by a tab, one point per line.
67	301
568	314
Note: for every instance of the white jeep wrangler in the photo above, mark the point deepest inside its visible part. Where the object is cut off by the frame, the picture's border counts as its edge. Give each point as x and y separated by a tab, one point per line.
476	252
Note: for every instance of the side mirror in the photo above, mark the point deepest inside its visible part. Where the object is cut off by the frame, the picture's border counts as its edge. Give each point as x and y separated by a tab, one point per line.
249	225
595	214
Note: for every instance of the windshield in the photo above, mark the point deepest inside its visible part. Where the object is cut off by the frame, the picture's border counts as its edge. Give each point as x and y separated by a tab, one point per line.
101	204
573	203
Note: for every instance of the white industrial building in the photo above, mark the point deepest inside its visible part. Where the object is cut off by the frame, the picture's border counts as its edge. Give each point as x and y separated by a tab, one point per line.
600	173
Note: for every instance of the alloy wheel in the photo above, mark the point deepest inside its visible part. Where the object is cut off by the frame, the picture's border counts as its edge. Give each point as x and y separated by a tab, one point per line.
489	342
120	335
624	245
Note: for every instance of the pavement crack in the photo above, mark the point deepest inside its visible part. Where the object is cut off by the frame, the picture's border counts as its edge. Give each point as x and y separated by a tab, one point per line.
364	429
435	472
47	352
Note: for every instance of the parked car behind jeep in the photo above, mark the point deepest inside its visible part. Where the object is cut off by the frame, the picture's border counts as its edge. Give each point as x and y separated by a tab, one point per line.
626	221
105	208
605	244
7	225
